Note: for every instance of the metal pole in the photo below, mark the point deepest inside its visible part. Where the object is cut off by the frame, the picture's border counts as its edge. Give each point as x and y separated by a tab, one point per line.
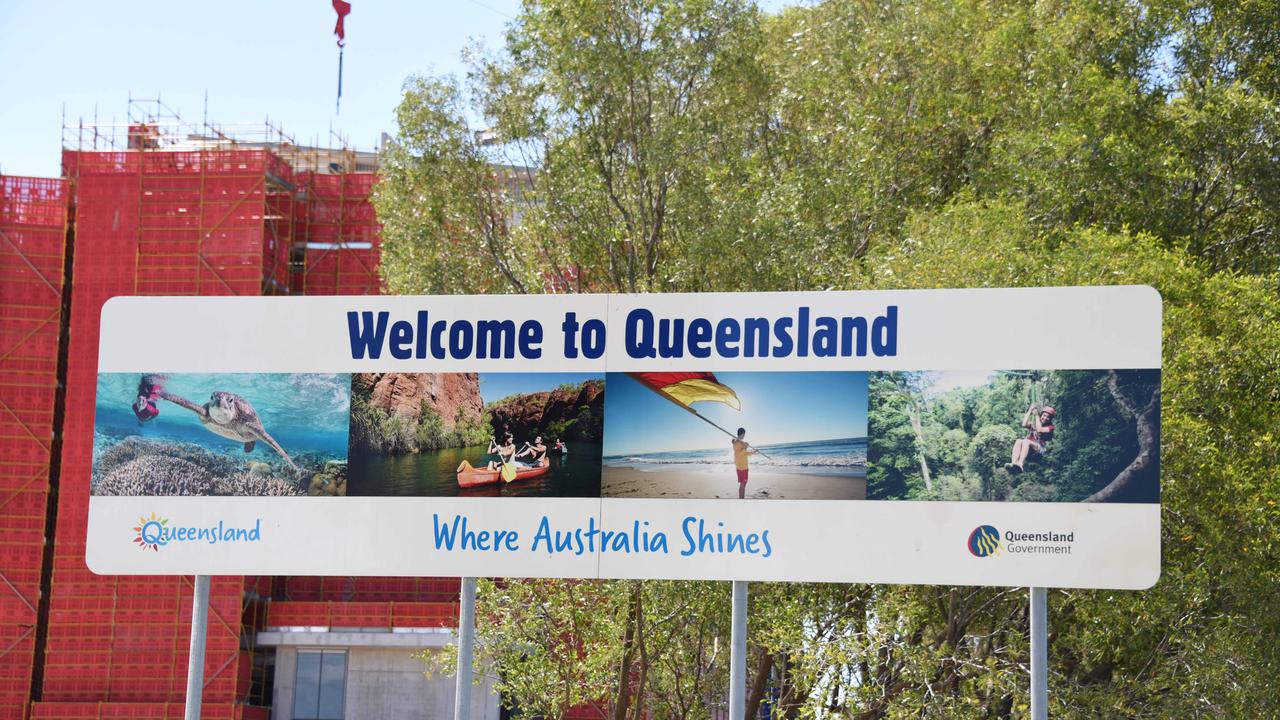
1039	654
738	653
195	660
466	643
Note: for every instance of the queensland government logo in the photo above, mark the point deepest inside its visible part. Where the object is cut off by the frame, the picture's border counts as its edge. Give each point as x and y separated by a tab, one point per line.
154	532
984	541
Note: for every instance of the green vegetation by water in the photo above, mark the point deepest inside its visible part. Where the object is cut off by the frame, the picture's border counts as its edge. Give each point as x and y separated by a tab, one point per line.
376	430
434	474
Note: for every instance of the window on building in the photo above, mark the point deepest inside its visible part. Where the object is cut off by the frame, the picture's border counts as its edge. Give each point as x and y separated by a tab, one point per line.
320	688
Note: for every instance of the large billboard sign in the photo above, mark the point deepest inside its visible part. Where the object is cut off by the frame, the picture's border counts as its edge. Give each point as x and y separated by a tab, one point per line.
981	437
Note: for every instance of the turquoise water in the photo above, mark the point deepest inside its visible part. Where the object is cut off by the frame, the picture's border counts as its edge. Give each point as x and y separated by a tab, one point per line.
434	474
307	414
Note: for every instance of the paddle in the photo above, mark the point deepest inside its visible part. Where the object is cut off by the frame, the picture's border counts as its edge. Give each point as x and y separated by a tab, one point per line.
508	472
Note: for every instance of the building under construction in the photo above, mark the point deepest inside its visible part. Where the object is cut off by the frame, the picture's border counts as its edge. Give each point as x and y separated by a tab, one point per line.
156	207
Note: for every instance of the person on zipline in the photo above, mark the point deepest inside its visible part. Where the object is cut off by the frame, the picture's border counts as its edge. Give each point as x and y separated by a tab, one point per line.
1041	432
741	450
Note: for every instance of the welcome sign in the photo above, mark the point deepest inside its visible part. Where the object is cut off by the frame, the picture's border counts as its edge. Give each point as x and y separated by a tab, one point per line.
990	437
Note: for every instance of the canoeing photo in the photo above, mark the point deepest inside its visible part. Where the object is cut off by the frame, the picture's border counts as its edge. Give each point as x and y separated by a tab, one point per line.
476	434
736	435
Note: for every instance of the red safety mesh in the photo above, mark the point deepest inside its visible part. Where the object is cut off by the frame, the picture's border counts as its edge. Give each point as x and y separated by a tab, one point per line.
200	223
33	221
148	223
343	241
367	616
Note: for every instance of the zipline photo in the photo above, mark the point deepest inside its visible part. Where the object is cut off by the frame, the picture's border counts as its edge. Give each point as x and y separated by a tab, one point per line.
1030	435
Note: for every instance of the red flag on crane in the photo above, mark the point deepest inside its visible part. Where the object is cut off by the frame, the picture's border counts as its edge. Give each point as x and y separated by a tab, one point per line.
343	8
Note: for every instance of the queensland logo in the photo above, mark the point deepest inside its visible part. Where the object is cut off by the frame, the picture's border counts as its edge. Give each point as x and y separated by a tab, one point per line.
150	532
154	532
984	541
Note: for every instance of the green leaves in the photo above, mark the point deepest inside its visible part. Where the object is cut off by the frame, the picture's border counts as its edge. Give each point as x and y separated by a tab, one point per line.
702	145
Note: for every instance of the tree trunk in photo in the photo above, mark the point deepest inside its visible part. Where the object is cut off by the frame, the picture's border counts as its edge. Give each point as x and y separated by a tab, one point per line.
913	412
1148	440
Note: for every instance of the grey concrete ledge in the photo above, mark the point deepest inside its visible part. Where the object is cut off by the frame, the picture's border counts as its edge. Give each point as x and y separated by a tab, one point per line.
325	637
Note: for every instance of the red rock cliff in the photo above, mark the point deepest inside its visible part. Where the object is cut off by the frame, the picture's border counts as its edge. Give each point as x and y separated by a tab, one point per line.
572	413
450	395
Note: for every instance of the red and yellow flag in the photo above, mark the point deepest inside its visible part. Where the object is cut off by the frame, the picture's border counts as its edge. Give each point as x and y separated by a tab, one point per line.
685	388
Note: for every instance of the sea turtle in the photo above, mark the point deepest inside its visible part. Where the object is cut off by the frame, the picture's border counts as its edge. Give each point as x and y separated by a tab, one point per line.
230	416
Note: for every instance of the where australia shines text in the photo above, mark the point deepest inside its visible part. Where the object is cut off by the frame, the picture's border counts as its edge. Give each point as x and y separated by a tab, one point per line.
697	536
799	334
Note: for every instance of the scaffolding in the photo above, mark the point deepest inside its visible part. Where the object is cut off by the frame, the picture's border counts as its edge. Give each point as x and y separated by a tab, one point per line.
213	203
33	226
159	206
341	250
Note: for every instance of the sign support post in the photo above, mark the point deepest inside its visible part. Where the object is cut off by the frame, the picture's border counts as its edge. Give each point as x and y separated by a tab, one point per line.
195	659
1039	654
738	652
466	644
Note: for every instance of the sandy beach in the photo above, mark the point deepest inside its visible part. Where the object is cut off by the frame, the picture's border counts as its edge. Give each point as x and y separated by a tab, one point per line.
626	482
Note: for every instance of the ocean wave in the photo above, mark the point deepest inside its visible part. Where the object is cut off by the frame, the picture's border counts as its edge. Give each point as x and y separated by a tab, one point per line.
847	460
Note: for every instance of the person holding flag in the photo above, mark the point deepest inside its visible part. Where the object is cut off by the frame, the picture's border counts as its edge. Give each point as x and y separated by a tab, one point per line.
741	450
686	388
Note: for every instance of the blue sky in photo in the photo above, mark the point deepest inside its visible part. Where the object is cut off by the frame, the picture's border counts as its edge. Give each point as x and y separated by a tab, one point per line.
945	381
777	407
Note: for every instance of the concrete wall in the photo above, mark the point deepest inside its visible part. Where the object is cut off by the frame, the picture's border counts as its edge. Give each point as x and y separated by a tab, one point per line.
386	684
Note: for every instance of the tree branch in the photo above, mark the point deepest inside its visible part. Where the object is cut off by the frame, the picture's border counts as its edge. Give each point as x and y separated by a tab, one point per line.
1148	440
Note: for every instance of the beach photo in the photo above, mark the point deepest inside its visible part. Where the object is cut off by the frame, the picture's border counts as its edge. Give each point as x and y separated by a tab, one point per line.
736	435
476	434
1015	435
221	434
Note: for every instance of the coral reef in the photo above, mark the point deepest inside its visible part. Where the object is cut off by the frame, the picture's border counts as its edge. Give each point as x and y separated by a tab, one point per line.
137	466
331	480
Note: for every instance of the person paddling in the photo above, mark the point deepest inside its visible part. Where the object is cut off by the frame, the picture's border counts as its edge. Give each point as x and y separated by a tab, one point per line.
506	452
1041	432
741	450
536	451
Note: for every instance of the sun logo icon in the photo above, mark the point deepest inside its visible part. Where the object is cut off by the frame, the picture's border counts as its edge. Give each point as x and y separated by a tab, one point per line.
150	532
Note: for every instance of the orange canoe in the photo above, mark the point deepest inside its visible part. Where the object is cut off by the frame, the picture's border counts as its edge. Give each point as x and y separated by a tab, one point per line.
469	476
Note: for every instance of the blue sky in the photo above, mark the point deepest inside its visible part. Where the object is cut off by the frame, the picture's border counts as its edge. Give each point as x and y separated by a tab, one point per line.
776	408
495	386
255	58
